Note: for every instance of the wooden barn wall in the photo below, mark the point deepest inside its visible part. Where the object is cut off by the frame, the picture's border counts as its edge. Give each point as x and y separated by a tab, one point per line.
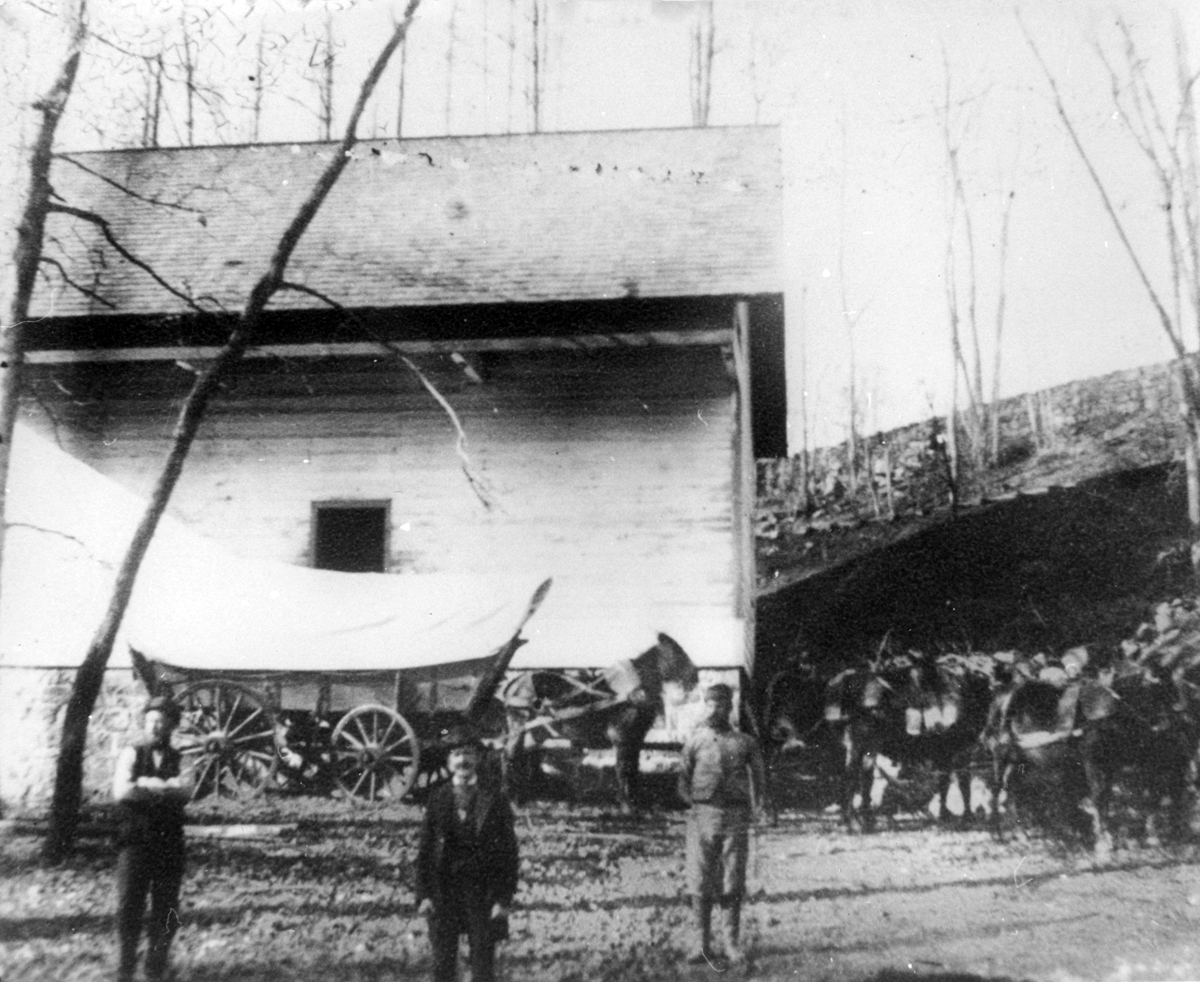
610	470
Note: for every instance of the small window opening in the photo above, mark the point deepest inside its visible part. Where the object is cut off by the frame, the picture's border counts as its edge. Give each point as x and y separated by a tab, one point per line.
350	538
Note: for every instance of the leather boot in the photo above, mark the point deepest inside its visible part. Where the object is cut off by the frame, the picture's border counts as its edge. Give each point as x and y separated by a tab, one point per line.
702	910
127	965
156	962
733	932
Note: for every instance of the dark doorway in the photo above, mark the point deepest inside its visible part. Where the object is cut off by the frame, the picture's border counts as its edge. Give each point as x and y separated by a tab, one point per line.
350	538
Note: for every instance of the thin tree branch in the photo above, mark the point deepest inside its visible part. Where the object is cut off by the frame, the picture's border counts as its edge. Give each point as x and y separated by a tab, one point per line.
1164	318
129	191
65	535
86	291
477	483
102	223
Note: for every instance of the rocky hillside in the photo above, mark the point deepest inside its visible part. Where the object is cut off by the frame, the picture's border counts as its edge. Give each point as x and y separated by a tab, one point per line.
1063	539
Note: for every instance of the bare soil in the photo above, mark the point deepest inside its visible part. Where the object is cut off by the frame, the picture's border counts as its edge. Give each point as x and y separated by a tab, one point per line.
602	898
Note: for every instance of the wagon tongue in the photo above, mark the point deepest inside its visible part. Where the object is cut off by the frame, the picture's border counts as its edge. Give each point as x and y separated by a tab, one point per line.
490	681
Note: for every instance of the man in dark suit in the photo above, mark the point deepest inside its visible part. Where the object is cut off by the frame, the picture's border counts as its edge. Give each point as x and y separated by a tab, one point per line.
466	864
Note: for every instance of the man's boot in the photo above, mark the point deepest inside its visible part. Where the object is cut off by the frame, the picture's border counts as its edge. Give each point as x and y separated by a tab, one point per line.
127	964
702	909
733	931
156	961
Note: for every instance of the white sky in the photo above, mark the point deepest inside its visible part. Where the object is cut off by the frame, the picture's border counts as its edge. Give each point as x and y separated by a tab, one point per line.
856	86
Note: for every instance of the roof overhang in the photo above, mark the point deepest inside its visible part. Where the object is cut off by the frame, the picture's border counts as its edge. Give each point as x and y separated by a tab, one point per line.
369	349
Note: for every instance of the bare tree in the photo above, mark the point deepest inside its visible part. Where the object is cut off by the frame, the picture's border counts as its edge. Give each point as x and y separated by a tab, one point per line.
64	809
702	53
540	53
17	277
850	319
269	59
321	62
959	211
154	71
1001	303
962	279
451	44
1165	132
512	62
400	88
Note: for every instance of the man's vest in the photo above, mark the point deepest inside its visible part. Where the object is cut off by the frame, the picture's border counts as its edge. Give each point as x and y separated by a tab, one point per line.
160	821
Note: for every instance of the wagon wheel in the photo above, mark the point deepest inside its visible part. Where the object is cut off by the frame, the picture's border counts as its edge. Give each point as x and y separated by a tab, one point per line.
227	738
375	753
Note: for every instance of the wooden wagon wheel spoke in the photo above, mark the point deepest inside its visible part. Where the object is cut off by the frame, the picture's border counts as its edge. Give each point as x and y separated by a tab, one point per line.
202	778
244	723
388	732
366	738
237	701
254	739
227	754
375	753
352	739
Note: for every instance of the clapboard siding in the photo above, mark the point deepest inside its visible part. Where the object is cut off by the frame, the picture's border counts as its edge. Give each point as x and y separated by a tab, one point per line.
612	468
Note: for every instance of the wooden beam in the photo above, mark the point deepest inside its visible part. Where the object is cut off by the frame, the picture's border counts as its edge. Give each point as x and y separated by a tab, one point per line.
745	481
368	349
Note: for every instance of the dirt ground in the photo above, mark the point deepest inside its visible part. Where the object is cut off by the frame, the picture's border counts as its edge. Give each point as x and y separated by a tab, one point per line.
602	900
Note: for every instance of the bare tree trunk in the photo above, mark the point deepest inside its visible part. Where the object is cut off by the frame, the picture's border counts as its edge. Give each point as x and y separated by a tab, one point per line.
888	489
148	68
327	82
512	62
539	63
17	279
994	420
804	459
189	78
400	91
451	41
64	809
156	116
703	50
850	319
259	90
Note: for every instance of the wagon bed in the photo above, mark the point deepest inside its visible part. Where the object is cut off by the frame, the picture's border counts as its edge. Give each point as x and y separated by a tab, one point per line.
345	678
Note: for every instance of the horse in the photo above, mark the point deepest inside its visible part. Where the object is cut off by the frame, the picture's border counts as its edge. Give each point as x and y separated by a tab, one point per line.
912	711
615	707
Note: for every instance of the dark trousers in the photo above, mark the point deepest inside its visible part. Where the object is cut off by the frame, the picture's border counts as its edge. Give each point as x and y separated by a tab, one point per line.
443	937
148	870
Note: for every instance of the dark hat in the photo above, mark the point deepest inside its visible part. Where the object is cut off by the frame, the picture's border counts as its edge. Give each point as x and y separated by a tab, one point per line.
719	692
460	735
165	705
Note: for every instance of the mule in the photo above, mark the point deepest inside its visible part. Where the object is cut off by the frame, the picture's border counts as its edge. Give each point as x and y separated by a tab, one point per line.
615	707
1059	753
922	712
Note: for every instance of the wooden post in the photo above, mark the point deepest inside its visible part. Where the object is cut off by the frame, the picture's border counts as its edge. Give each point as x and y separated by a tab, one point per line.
743	485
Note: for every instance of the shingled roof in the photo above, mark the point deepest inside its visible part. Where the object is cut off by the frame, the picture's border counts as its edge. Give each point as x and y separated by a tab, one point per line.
455	220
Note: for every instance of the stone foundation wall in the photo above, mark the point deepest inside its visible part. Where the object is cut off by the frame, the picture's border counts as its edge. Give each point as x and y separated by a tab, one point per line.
32	704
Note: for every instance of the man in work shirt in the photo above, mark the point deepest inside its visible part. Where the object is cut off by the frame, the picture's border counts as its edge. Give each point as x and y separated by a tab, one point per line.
150	795
724	780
